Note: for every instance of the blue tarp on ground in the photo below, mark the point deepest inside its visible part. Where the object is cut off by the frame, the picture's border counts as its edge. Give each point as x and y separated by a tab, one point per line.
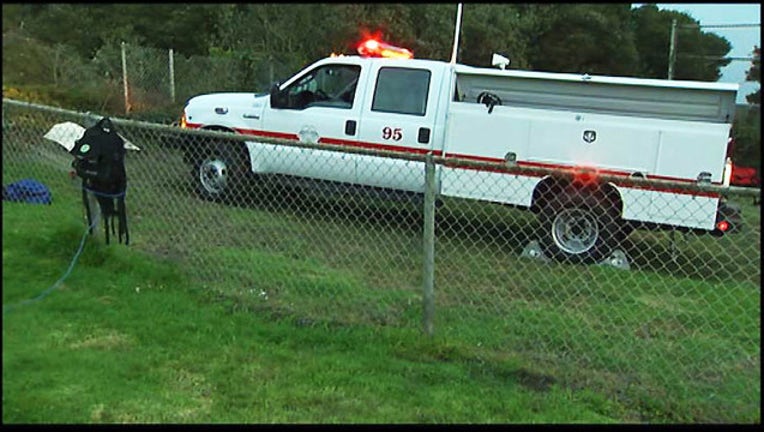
28	191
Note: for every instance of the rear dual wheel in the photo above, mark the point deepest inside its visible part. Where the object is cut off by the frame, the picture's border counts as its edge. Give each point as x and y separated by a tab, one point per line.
580	227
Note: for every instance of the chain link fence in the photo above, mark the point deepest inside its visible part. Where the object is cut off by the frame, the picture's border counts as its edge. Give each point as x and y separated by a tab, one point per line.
127	79
159	78
674	337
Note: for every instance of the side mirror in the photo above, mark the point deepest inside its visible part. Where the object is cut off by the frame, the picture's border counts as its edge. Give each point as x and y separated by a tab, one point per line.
277	97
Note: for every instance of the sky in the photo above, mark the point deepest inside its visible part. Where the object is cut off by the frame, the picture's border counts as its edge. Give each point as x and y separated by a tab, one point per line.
741	39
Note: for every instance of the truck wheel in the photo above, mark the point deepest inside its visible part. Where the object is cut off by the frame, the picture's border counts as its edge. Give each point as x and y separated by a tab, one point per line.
219	170
578	228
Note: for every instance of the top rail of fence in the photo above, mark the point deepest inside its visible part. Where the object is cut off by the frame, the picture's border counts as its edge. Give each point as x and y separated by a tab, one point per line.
441	160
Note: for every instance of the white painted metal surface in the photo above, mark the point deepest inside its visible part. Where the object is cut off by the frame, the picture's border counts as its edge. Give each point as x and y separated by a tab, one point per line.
672	130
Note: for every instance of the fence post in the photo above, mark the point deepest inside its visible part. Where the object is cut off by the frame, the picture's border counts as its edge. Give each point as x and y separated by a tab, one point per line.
172	77
428	294
672	50
124	80
270	71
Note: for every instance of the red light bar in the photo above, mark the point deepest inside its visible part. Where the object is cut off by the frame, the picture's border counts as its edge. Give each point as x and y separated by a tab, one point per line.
723	226
375	48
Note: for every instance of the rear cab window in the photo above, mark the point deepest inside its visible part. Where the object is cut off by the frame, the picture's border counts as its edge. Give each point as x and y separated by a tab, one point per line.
401	91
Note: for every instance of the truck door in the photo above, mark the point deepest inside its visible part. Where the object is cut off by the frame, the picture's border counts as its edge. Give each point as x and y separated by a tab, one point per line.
399	115
320	106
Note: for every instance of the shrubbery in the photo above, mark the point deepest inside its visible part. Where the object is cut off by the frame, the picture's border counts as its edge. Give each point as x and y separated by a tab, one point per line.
102	98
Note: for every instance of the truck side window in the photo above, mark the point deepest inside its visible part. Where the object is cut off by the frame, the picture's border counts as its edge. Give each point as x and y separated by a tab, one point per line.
402	91
327	86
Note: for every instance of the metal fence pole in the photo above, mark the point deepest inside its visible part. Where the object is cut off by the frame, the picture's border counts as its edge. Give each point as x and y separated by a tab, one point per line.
124	80
672	50
270	72
172	76
428	295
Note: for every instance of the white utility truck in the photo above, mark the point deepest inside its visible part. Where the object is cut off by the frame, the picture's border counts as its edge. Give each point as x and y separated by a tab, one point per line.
624	127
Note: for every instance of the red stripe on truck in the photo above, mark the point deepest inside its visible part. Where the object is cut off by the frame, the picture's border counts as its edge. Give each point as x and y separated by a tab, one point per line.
420	151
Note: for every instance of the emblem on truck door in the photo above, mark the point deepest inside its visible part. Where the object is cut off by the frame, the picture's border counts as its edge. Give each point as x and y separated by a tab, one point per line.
308	134
590	136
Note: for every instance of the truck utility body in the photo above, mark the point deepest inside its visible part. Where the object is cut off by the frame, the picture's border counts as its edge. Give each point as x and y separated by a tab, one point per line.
654	129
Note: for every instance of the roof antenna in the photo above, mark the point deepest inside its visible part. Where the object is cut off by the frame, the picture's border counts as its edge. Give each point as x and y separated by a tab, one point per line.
456	32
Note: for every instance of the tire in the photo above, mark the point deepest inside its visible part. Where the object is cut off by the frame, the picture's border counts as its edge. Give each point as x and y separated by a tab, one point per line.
624	231
579	228
220	170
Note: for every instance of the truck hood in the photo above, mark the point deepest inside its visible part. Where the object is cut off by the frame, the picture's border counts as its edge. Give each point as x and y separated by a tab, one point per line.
248	100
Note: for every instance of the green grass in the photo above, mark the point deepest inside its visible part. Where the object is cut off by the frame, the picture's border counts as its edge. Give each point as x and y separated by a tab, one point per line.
298	308
126	338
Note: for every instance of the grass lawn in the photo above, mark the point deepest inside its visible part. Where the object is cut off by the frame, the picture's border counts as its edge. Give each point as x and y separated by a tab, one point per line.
127	338
293	307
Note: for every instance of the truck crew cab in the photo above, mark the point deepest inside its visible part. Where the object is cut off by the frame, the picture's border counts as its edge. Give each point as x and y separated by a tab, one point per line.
385	99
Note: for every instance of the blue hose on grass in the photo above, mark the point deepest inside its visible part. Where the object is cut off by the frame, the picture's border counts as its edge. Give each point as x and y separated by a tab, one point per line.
58	282
45	293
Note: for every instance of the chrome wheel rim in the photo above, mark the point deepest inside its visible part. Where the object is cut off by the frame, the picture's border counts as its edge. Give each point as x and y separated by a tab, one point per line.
575	231
213	175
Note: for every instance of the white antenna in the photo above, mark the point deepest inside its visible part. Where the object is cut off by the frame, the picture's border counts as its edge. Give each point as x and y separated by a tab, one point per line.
456	32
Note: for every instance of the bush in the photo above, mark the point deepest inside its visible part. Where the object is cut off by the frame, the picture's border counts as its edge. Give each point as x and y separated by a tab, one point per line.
99	97
166	115
747	133
28	93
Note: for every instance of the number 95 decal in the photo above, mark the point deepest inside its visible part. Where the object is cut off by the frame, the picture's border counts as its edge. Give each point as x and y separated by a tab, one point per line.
394	134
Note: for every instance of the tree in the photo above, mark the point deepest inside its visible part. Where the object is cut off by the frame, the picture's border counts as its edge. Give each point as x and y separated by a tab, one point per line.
586	38
433	30
492	28
13	17
747	126
700	56
747	132
69	24
754	74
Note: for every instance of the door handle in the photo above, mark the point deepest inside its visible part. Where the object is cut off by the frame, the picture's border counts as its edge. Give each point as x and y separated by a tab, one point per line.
424	135
350	127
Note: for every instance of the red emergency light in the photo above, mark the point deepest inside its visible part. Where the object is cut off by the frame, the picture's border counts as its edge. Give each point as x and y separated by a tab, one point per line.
375	48
585	176
723	226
